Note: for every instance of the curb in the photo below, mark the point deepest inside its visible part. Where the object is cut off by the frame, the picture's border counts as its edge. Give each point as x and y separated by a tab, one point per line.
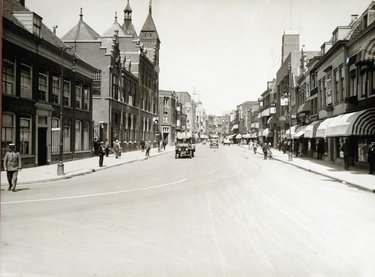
325	175
86	171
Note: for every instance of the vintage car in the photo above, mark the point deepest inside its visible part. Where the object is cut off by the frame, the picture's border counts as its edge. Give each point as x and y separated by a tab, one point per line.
226	141
214	143
184	145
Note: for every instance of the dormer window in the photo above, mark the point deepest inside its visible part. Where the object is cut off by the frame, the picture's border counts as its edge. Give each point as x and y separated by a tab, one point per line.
31	21
37	25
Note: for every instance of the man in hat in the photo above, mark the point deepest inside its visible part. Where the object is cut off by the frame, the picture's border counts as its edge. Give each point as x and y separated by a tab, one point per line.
371	158
12	164
101	152
116	148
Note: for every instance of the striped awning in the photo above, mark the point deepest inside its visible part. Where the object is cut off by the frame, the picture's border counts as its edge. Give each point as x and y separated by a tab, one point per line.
310	131
300	131
322	128
291	132
360	123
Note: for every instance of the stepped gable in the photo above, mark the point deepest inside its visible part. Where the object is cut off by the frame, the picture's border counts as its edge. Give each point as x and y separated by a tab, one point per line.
81	31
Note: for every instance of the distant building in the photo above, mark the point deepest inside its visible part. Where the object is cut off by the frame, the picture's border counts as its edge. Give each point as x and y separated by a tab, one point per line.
168	115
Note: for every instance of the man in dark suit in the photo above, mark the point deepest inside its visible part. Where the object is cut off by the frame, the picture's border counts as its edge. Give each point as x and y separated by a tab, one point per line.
345	147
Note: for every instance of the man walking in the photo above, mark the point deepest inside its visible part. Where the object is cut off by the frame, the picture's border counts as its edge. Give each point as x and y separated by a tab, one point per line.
345	147
101	152
12	164
371	158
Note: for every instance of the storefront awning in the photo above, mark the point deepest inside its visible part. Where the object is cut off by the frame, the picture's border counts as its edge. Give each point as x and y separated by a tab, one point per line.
267	133
322	128
360	123
254	125
271	120
291	132
305	107
300	131
310	131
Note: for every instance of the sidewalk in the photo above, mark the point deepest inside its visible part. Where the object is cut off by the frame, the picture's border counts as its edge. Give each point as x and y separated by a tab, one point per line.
356	177
48	173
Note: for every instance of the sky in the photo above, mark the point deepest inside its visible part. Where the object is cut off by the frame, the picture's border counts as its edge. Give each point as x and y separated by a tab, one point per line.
222	52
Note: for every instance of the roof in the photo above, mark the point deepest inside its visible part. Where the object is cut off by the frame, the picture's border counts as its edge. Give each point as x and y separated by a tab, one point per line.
115	27
149	26
81	31
46	34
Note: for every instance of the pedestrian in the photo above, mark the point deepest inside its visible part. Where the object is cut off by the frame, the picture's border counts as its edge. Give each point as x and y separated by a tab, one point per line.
265	150
101	152
255	146
320	149
371	158
116	148
269	152
164	144
96	145
148	148
106	148
345	147
12	165
250	144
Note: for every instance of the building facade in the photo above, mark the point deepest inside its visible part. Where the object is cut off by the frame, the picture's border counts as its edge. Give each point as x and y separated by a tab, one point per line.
47	91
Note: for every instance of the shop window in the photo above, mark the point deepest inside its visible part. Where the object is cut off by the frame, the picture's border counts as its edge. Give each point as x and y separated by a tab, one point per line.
8	131
25	136
66	143
86	98
55	90
78	136
55	135
86	136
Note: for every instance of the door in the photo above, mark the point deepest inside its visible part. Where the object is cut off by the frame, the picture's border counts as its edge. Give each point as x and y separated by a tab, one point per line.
42	146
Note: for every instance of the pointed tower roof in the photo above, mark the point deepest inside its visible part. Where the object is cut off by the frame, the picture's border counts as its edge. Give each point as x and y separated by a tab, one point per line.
115	27
128	24
81	31
149	25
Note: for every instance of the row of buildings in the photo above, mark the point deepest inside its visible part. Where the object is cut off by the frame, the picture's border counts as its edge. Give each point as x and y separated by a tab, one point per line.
320	96
58	94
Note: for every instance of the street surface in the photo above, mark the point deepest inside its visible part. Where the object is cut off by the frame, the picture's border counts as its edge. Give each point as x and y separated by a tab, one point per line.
226	212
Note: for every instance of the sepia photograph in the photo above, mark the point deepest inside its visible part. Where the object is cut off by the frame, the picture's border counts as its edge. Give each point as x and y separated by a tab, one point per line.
187	138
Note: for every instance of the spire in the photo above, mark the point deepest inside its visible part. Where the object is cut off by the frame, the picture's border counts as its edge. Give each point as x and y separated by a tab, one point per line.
128	25
150	7
81	31
81	14
115	16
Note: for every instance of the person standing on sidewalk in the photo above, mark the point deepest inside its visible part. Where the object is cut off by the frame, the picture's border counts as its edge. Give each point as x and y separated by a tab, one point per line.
101	152
371	158
345	147
148	147
255	146
12	164
106	148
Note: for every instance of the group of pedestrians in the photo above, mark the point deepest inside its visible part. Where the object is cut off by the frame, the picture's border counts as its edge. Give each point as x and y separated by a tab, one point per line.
103	148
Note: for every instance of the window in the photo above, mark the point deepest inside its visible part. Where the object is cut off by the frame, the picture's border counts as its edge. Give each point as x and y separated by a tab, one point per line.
55	135
336	89
363	84
55	90
37	23
78	95
96	83
66	137
86	136
26	84
86	98
115	87
342	86
43	86
8	129
78	136
8	77
66	93
353	83
25	136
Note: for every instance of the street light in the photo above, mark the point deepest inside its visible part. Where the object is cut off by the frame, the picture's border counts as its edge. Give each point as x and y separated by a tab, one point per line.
60	165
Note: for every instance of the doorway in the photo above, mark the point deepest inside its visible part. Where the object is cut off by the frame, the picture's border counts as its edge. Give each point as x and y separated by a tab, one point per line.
42	146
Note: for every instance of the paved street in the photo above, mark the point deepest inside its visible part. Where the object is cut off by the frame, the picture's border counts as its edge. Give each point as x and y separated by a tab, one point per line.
226	212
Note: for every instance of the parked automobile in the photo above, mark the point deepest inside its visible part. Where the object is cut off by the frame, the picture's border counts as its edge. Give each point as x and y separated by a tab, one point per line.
226	141
214	143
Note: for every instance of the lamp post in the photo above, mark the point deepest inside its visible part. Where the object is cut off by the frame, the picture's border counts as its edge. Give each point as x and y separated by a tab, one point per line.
60	165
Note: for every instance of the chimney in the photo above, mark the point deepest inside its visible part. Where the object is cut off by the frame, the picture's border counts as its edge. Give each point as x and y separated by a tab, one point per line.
54	28
354	17
22	2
